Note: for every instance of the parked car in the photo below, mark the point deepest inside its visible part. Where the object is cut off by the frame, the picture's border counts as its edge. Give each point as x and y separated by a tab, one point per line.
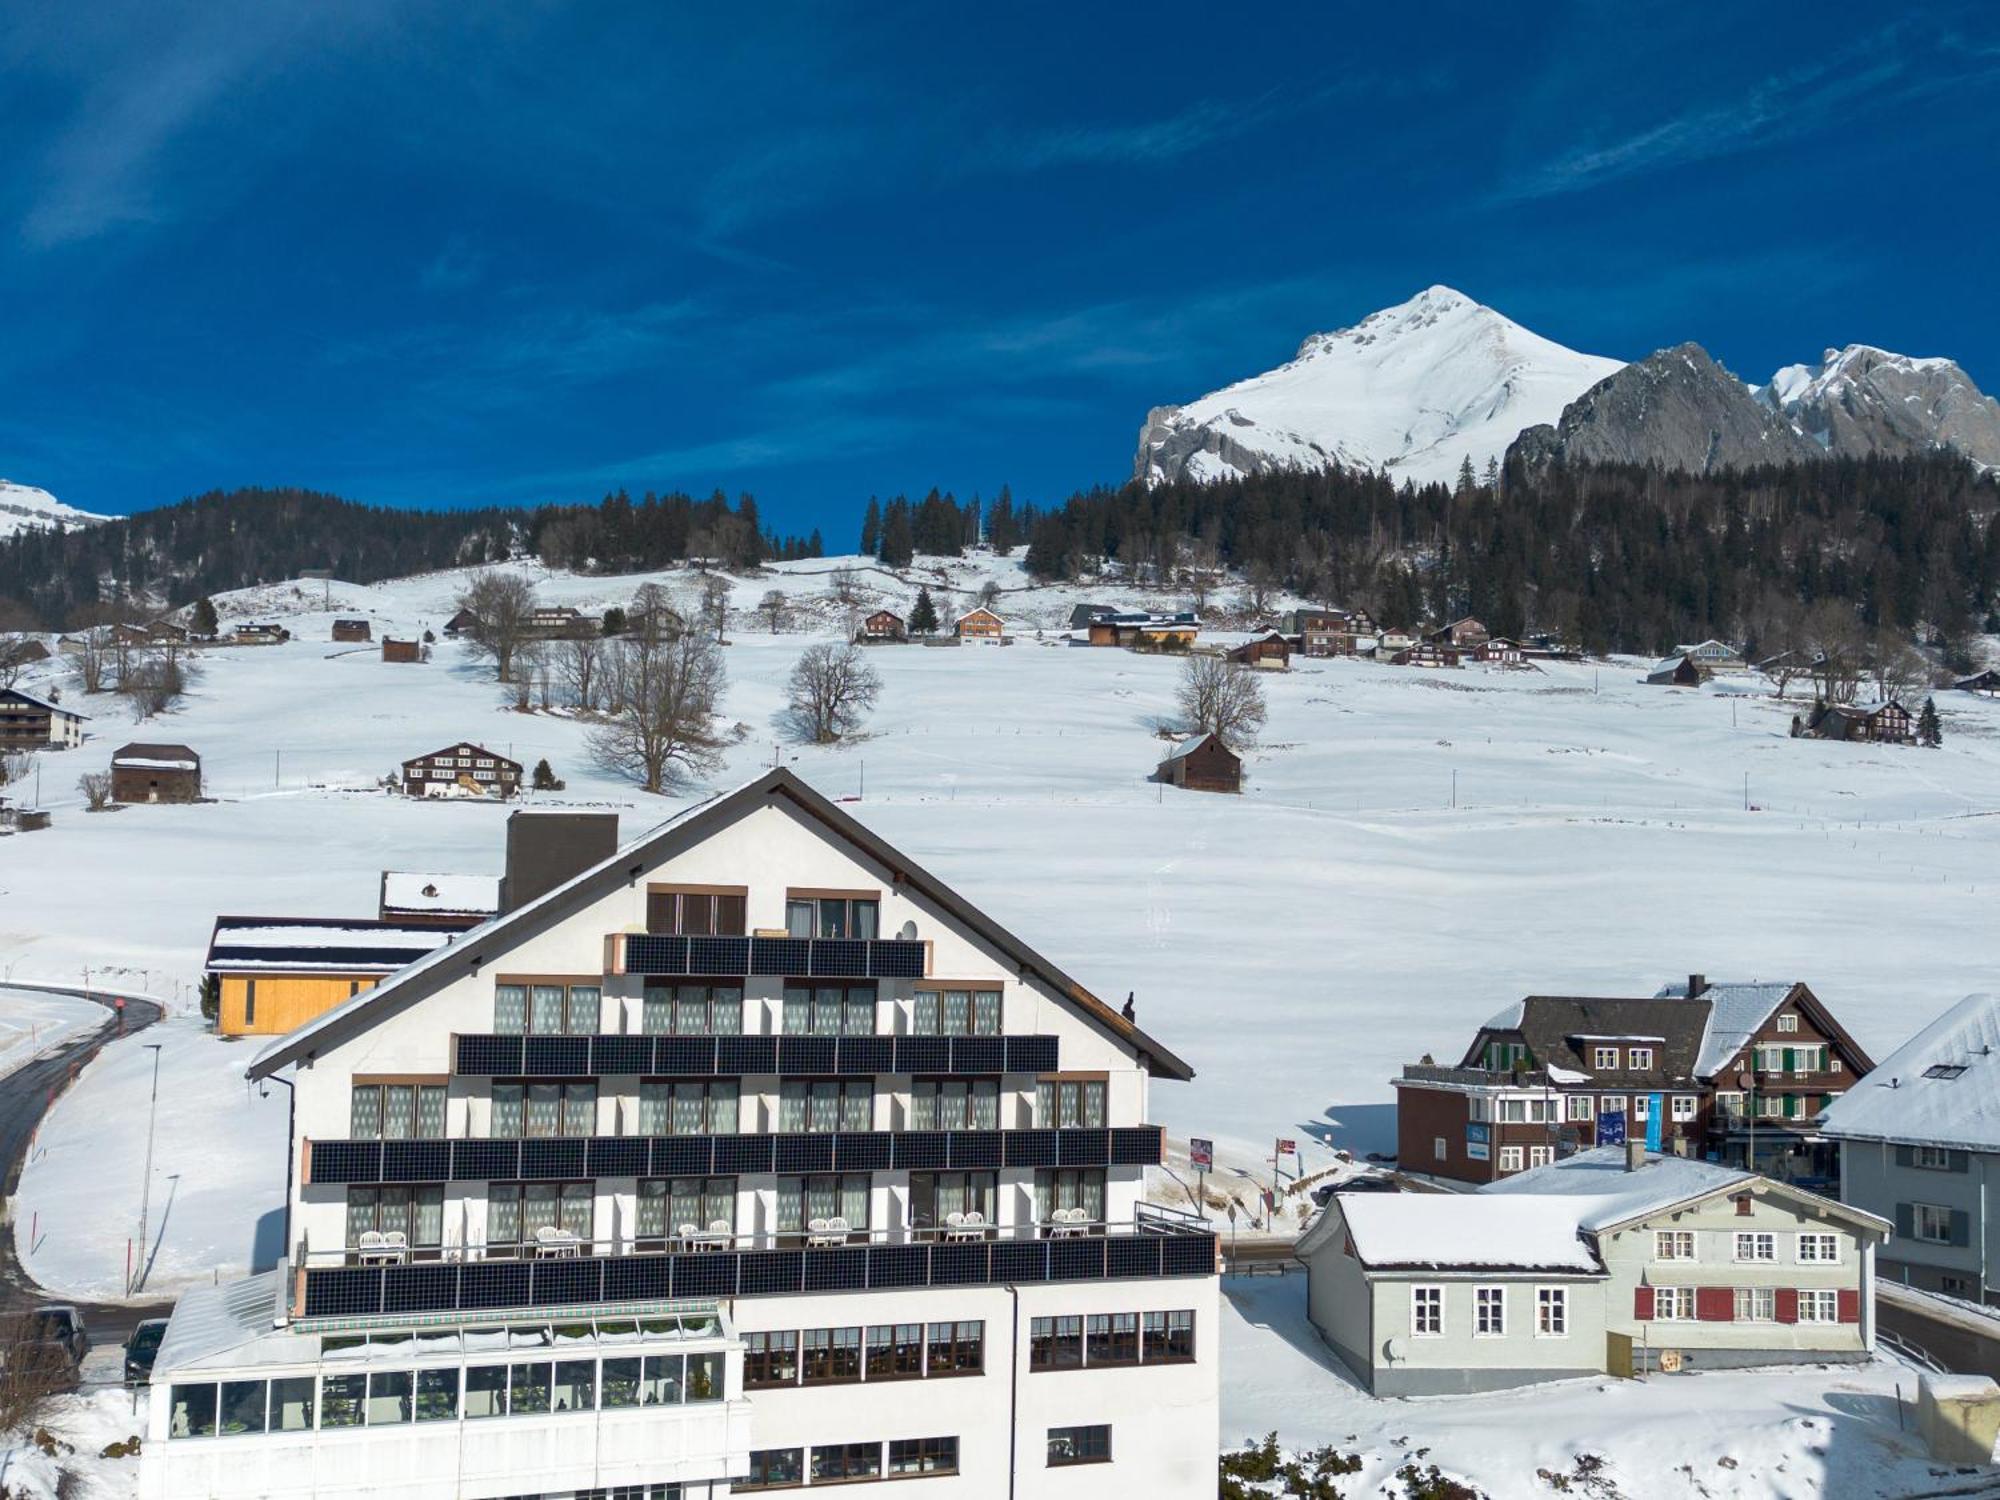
1370	1184
57	1323
142	1349
45	1347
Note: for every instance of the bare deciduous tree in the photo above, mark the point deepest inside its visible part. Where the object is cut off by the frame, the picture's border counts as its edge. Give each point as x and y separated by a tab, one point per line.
96	789
580	660
665	692
1897	670
772	607
831	690
1837	647
93	659
1261	583
715	603
1222	698
16	765
989	593
847	585
500	605
155	682
33	1368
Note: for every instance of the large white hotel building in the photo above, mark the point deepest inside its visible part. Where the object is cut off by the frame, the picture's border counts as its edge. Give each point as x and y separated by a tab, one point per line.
745	1158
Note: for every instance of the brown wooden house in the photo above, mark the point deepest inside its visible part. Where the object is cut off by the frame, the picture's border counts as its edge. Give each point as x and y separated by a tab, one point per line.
979	624
1987	682
1463	634
1886	723
1202	764
465	620
155	773
1270	651
30	721
1426	653
1675	671
353	630
395	650
464	769
884	627
1500	650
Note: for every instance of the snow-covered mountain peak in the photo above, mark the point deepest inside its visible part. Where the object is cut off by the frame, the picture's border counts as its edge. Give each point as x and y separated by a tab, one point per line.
1413	390
23	506
1862	399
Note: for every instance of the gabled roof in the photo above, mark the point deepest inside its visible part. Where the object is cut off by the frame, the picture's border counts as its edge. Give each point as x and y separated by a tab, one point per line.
463	747
40	702
457	895
164	757
1188	747
1737	1012
338	945
1559	1029
684	831
974	612
1940	1088
1460	1232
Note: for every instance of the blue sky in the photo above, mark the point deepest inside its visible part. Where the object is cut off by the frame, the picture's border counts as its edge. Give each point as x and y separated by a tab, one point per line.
445	254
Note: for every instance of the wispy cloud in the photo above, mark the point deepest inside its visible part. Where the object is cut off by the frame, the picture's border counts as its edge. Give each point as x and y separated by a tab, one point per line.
1161	142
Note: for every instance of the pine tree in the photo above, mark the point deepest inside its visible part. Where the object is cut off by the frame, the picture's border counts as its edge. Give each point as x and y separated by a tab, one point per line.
899	542
871	528
924	616
545	778
202	621
1929	731
1466	481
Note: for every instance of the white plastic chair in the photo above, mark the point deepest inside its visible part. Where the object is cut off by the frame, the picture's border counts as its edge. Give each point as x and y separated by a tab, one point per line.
372	1246
838	1225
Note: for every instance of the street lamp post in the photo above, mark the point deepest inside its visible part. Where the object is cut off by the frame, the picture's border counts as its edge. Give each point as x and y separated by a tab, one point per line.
146	1188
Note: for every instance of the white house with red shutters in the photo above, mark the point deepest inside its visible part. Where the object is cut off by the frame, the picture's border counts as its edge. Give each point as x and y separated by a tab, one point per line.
1609	1261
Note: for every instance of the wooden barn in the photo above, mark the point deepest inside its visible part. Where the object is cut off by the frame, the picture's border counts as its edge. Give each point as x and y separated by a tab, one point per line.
1203	764
155	773
459	624
1463	634
1676	671
1270	652
395	650
1885	724
461	770
1987	682
884	627
352	630
980	624
260	634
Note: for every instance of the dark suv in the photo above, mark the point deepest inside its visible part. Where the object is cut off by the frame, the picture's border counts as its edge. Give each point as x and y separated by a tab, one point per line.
142	1349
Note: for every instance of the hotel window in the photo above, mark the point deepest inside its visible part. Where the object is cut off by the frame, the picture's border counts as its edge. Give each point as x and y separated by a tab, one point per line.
542	1110
547	1009
667	1205
832	916
955	1104
1604	1057
1066	1103
824	1195
695	913
692	1010
1642	1059
955	1348
515	1210
769	1360
1552	1312
830	1356
416	1213
817	1105
1489	1312
1427	1311
1819	1249
935	1196
397	1112
1541	1156
896	1351
829	1010
1931	1158
1169	1337
909	1457
839	1462
1510	1158
1673	1304
1079	1188
1819	1307
689	1106
1578	1107
1931	1222
1112	1339
773	1468
1757	1247
437	1395
1673	1244
956	1013
1756	1304
1079	1445
1684	1106
1055	1343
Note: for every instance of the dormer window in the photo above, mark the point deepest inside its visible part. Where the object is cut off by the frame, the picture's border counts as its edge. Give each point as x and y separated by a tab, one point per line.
1604	1057
1642	1059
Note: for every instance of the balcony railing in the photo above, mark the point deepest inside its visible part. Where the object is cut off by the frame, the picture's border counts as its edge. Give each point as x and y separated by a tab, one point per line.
575	1158
1475	1077
513	1056
778	957
603	1275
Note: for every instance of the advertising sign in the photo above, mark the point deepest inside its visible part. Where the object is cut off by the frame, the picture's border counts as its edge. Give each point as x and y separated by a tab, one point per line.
1201	1154
1611	1128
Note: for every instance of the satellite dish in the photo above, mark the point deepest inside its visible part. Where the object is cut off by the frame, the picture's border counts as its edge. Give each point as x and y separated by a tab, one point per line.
1396	1351
908	931
1744	1080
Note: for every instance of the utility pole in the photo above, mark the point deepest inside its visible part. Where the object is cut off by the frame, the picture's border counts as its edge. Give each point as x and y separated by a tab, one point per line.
146	1188
277	761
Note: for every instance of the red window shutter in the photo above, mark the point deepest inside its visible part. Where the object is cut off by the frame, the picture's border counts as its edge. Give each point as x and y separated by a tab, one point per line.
1715	1304
1788	1305
1850	1305
1642	1302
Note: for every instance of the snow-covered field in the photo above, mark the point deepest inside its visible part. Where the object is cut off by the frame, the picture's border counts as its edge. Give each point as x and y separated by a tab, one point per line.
31	1023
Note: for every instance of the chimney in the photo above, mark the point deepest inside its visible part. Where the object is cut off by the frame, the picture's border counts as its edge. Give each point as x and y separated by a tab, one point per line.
1635	1155
1697	986
546	849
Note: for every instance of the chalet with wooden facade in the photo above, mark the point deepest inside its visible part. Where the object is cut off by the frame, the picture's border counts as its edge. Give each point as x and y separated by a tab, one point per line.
1676	671
1461	635
408	899
460	624
980	624
1145	631
31	721
1987	682
884	627
1714	656
1500	651
260	634
461	770
277	973
1269	652
406	651
1425	653
558	621
353	630
1885	723
155	773
1202	763
1727	1072
1332	632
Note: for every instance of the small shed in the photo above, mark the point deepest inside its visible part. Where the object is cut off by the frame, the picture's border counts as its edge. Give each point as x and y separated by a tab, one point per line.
352	630
884	626
21	651
1675	671
980	624
1202	764
465	620
155	773
1270	652
395	650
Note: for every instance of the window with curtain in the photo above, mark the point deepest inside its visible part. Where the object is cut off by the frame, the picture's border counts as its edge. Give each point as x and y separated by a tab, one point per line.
823	1195
832	917
515	1210
416	1213
693	1010
547	1009
816	1105
689	1106
700	1201
955	1104
936	1195
510	1009
541	1110
1070	1188
829	1010
957	1013
695	913
1069	1103
507	1113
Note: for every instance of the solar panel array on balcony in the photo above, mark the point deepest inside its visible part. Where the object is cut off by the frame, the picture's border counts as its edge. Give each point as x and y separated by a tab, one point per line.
735	1056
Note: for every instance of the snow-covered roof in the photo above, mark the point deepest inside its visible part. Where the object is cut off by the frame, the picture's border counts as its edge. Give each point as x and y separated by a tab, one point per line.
1940	1088
318	945
221	1320
156	757
404	890
1737	1011
41	702
1617	1196
1462	1231
1508	1019
1188	746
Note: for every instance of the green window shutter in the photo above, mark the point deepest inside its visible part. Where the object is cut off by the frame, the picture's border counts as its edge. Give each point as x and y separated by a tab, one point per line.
1961	1227
1961	1161
1904	1158
1906	1220
1789	1055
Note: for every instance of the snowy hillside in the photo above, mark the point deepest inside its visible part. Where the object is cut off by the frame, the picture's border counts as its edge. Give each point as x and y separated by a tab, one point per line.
1414	390
22	506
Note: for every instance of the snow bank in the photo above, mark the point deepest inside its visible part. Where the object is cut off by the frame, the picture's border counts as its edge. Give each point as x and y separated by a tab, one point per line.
31	1024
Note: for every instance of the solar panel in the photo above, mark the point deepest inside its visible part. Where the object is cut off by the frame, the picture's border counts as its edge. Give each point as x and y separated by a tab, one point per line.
975	1148
621	1054
863	1151
898	1265
422	1288
1020	1260
656	953
772	1271
1083	1148
546	1159
682	1155
838	1270
344	1292
1132	1255
560	1283
488	1055
802	1153
806	1054
618	1156
743	1153
722	957
978	1054
1031	1054
923	1150
346	1161
839	958
710	1274
866	1055
1077	1259
923	1054
485	1161
416	1161
963	1264
784	958
746	1054
1187	1255
555	1056
1031	1148
1135	1146
637	1278
896	958
684	1056
492	1283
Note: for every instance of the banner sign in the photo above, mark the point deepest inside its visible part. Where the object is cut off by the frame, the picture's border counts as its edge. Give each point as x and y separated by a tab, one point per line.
1201	1154
1611	1128
1287	1148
